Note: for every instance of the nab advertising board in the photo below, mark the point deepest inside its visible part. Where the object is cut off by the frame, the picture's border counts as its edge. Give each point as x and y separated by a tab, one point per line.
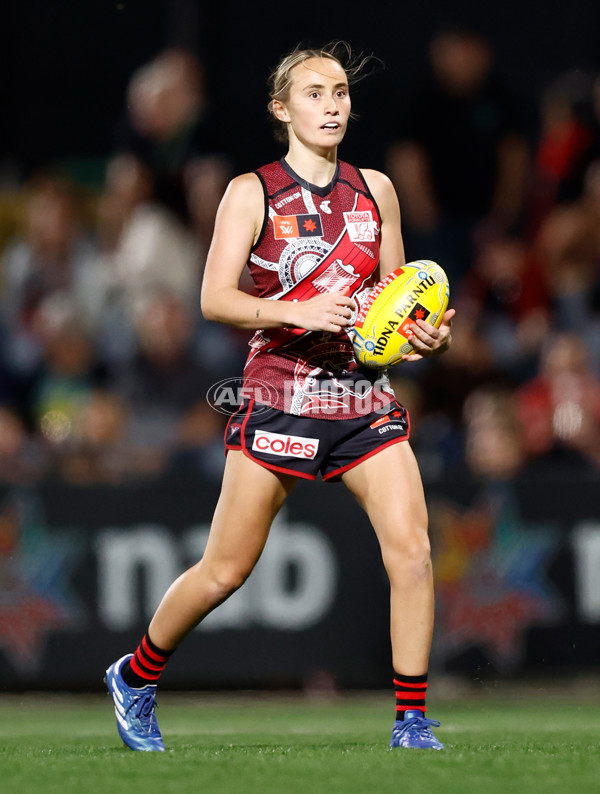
82	570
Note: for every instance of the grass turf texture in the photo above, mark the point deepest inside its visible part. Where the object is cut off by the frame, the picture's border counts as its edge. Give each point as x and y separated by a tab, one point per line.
291	745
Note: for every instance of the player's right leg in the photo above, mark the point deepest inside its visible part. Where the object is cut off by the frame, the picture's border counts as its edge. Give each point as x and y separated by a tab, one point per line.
250	498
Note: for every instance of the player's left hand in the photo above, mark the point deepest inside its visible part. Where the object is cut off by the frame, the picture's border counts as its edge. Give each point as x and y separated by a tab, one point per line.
428	340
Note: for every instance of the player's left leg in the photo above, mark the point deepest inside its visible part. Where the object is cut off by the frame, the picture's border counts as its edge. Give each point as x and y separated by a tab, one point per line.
388	486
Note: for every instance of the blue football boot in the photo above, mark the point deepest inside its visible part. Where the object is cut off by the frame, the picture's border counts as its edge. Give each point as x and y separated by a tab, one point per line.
135	710
415	731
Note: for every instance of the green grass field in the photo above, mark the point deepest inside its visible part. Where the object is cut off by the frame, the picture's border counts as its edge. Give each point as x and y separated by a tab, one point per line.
264	744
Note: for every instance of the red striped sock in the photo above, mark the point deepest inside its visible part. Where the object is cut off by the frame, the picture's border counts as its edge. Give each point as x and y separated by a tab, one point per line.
146	664
411	691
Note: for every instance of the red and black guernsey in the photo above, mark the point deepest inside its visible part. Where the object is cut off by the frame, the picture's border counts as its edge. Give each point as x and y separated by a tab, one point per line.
314	240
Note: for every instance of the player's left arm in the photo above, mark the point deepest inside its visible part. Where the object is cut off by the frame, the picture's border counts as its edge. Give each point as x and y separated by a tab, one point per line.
427	340
391	247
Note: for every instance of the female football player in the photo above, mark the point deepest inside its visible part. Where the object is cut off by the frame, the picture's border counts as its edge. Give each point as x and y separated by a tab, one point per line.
315	233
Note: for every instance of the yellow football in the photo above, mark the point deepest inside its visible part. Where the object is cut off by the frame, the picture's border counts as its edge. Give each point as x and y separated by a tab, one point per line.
417	290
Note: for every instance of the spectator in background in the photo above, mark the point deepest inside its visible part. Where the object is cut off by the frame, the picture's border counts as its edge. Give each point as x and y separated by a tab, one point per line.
460	161
568	250
568	142
559	409
169	131
505	300
21	458
55	255
146	246
149	416
79	430
55	393
468	365
161	193
127	185
165	388
99	452
493	439
437	440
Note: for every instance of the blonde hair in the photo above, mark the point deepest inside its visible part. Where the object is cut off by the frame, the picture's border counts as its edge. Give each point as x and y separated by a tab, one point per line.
280	80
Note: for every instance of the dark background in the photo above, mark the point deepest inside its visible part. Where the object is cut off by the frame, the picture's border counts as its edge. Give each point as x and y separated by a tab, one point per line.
65	64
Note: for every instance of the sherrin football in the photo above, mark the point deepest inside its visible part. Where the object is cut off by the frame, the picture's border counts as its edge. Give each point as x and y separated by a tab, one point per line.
417	290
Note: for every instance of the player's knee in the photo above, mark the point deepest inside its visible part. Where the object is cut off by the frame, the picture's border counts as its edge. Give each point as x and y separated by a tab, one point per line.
225	580
409	559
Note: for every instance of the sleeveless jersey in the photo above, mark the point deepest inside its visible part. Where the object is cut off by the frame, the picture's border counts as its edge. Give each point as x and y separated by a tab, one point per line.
314	240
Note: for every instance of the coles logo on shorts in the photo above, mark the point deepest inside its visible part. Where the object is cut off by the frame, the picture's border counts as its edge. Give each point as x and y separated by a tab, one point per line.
286	446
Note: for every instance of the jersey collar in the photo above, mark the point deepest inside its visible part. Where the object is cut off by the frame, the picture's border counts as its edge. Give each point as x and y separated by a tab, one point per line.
319	191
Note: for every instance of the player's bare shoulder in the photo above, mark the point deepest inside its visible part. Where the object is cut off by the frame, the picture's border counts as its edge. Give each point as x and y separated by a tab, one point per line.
245	190
243	202
379	184
384	193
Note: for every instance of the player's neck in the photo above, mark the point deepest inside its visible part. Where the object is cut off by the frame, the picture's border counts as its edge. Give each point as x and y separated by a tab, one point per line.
316	167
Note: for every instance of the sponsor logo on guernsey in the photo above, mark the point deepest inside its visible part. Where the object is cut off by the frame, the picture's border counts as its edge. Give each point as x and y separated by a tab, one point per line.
360	226
287	200
324	206
285	446
289	226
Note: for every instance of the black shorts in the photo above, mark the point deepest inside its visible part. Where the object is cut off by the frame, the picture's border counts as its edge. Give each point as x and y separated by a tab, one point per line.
304	446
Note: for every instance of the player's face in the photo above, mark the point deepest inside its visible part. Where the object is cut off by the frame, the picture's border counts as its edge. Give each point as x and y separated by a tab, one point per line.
318	105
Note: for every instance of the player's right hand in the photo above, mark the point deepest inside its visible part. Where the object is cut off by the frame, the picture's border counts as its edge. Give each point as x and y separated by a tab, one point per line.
330	311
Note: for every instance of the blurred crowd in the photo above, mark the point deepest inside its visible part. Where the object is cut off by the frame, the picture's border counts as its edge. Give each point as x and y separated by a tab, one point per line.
511	217
106	361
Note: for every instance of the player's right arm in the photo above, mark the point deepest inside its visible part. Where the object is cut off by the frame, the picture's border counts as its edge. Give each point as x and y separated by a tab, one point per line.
237	227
